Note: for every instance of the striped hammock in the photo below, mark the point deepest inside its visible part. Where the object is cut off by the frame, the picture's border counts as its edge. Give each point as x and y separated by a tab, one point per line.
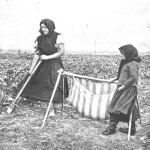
91	99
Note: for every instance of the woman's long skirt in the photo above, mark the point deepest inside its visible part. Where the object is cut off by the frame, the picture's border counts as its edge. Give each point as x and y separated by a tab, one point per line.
41	85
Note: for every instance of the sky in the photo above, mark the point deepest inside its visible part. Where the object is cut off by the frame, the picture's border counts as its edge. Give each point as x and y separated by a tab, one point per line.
85	25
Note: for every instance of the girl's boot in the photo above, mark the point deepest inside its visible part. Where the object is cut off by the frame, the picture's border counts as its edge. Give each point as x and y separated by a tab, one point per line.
111	129
125	130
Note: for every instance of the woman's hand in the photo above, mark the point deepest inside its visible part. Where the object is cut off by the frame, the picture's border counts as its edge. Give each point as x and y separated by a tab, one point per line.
121	88
34	62
30	72
44	57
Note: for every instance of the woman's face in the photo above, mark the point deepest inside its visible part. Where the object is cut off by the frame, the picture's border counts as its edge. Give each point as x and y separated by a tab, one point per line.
44	29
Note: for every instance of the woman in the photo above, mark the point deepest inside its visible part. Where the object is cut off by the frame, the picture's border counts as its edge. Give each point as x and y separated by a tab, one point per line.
49	50
125	97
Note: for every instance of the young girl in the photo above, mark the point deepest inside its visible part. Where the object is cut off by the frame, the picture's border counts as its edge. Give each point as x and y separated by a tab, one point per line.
49	50
125	97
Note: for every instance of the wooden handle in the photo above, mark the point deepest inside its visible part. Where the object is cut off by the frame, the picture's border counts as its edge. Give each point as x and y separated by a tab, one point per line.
26	82
53	94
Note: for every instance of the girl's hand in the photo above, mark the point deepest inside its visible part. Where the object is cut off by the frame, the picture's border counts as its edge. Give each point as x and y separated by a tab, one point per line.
121	88
44	57
112	80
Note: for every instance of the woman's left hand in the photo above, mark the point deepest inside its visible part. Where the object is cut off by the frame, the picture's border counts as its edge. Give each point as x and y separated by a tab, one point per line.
44	57
121	88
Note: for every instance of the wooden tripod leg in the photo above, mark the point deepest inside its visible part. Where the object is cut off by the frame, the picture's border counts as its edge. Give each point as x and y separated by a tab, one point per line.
139	112
130	124
63	97
53	94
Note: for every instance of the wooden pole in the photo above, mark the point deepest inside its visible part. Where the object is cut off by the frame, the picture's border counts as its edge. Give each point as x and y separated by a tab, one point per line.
129	130
63	97
85	77
53	94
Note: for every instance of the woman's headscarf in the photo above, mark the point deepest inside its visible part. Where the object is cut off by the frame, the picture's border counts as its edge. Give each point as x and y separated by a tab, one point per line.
46	43
49	24
131	54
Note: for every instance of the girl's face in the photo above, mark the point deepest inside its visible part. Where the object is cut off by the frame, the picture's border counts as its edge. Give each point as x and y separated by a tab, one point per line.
122	53
44	29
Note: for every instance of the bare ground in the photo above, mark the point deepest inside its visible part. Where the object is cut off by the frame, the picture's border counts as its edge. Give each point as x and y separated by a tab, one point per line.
21	130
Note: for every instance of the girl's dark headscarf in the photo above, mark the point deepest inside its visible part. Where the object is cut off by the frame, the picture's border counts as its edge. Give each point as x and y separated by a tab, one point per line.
46	43
131	54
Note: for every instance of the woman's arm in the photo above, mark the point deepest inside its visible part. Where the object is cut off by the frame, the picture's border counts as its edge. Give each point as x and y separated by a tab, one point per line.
56	55
34	62
121	87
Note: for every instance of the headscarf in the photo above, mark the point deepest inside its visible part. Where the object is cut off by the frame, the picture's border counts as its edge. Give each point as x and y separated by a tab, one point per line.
131	54
49	24
46	43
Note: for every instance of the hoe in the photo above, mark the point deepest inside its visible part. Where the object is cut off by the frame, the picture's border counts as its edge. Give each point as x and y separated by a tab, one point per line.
12	106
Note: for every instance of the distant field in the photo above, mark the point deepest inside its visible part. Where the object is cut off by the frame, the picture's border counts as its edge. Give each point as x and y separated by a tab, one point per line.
14	66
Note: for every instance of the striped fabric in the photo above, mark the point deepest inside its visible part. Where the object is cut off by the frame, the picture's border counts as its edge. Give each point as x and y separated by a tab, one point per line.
91	99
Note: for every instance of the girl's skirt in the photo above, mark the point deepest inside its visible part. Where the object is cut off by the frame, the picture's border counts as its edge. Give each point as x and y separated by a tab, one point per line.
124	103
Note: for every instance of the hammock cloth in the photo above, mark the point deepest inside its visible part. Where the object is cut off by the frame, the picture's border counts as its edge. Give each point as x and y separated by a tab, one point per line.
91	99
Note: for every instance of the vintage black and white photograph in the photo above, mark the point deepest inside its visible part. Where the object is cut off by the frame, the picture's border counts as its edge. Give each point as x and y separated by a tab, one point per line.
74	74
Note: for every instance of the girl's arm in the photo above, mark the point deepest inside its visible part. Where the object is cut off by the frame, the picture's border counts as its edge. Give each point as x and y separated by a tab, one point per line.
122	62
114	79
133	67
133	76
56	55
34	62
